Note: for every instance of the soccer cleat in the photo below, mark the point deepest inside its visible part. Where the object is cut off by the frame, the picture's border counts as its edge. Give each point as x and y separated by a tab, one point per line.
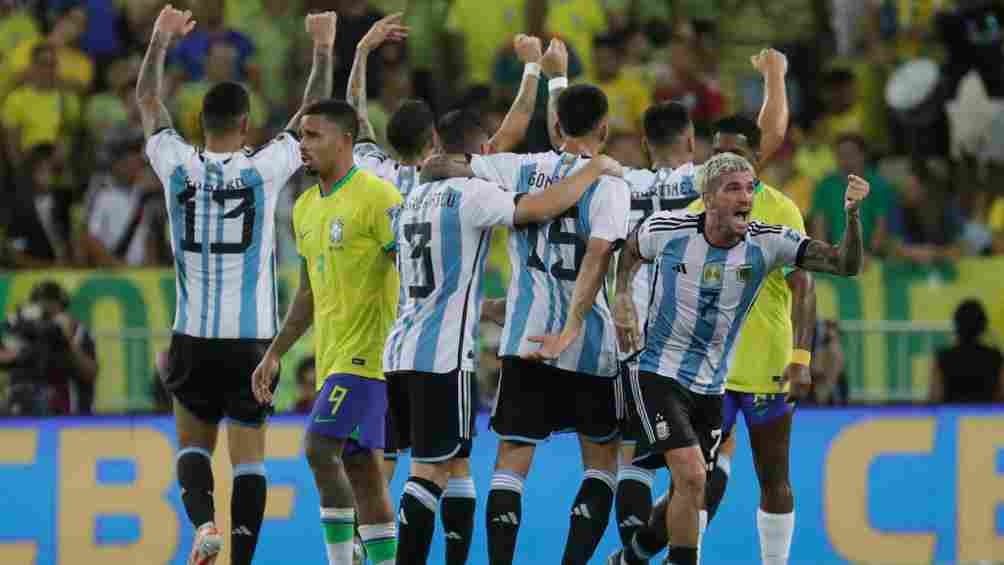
206	547
615	557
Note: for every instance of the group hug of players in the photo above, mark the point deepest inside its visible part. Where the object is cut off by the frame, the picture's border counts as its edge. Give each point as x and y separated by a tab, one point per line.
394	252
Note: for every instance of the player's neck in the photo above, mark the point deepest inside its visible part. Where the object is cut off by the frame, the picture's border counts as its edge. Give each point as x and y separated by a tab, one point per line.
671	160
228	143
718	234
582	146
335	175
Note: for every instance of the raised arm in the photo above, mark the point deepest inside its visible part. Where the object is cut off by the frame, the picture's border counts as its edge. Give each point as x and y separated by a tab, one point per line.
846	258
588	282
625	315
170	23
387	29
298	321
773	118
546	204
554	63
321	28
517	120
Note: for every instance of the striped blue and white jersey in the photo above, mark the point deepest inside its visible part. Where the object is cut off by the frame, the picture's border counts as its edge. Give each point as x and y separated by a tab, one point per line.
369	156
701	294
443	234
221	208
545	259
660	190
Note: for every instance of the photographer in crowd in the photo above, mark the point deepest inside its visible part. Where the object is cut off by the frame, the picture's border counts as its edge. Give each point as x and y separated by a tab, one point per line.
50	357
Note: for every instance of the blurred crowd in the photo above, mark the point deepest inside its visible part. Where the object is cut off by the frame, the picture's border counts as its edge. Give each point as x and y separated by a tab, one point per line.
907	93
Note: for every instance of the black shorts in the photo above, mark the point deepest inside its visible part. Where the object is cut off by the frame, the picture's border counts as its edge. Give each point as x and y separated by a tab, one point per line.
211	378
631	426
397	409
433	414
535	400
673	417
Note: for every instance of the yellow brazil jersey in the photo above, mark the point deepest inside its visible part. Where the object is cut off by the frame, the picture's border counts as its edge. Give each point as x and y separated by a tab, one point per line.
345	237
765	341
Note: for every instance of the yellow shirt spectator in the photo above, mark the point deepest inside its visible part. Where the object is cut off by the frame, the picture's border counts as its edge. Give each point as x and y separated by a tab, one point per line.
74	67
42	116
486	27
995	220
189	108
628	97
577	21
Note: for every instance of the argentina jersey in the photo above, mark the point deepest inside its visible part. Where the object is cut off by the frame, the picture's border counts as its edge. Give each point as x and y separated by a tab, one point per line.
443	232
222	219
368	156
545	259
661	190
701	294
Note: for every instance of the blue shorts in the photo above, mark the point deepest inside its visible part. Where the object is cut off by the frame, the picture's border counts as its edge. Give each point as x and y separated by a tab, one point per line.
353	408
757	408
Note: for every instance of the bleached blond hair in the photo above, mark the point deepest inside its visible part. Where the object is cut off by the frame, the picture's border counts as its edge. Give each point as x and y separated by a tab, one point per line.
718	166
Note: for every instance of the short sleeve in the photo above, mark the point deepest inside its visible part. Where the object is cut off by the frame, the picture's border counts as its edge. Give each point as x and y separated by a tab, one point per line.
487	205
279	159
369	156
503	169
166	151
653	235
610	210
784	246
298	210
385	205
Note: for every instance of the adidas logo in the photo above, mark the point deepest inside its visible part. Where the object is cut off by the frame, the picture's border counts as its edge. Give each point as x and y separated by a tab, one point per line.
582	510
242	531
454	535
631	522
401	518
507	518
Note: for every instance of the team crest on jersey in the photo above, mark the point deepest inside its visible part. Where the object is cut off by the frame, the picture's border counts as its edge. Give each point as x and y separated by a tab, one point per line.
712	275
335	234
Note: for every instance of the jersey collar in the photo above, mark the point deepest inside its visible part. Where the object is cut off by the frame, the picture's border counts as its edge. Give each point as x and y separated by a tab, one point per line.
341	182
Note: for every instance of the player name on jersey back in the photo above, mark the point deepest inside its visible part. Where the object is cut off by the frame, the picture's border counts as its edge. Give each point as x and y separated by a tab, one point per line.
443	232
545	259
701	294
222	216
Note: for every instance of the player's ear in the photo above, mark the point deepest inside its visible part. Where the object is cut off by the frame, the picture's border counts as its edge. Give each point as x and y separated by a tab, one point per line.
645	148
245	124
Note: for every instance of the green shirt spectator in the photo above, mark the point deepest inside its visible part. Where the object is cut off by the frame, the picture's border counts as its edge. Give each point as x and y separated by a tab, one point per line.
828	206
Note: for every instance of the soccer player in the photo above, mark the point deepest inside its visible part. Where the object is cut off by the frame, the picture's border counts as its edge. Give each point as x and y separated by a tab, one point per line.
221	202
348	291
443	233
709	268
411	130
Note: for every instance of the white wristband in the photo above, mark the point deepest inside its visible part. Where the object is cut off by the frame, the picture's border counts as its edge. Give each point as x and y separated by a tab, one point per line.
532	69
556	83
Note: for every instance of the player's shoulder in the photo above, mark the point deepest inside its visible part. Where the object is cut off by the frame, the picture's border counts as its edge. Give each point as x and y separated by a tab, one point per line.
306	199
674	221
167	138
760	229
638	178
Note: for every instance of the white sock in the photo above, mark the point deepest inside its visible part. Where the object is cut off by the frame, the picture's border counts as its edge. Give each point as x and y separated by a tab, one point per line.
702	524
339	527
775	536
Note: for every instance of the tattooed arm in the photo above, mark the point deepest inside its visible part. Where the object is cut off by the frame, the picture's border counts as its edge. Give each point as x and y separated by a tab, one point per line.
321	28
517	120
154	114
389	28
846	258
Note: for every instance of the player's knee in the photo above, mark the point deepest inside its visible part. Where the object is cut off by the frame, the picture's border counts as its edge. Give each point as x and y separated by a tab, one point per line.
320	455
460	467
689	479
777	494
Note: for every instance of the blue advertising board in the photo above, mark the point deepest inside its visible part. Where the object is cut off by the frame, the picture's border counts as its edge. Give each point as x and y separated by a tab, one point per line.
879	485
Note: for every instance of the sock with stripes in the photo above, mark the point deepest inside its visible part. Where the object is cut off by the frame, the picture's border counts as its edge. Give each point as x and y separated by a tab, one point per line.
338	533
195	476
458	506
589	517
417	519
380	541
503	514
718	479
633	501
247	509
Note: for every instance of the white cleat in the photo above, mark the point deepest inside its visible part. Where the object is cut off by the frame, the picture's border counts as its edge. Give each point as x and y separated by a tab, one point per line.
206	547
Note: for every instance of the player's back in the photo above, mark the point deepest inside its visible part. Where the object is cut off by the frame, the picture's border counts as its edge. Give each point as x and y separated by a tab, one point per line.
221	208
765	343
443	232
702	293
371	157
545	259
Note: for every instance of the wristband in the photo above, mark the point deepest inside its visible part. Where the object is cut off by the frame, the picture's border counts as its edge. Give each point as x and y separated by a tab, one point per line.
531	69
556	83
801	357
